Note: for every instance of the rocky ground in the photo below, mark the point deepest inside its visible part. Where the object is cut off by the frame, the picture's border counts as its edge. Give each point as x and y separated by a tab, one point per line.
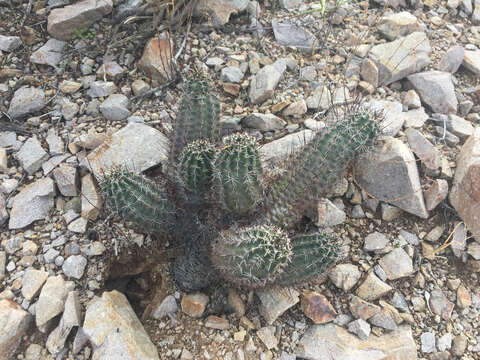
85	87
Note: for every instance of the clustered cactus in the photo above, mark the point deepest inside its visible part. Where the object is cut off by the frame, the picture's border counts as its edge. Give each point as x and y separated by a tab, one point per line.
256	246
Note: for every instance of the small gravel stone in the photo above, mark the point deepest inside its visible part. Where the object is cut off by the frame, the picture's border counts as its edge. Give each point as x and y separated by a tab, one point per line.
50	255
428	342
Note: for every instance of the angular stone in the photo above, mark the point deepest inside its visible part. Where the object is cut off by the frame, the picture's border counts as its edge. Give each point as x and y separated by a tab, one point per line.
74	266
436	193
55	143
168	307
3	263
69	86
156	60
91	199
295	109
361	309
101	89
428	342
390	174
440	305
32	282
216	322
327	214
274	302
51	301
411	100
267	335
26	100
231	74
114	330
194	304
424	149
63	22
321	98
384	320
110	70
400	58
459	240
459	126
376	242
360	328
264	122
219	11
464	298
393	118
317	307
398	24
49	54
396	264
344	276
14	323
329	341
292	35
265	81
471	61
373	288
436	89
465	193
452	59
33	203
78	225
136	147
115	107
10	43
66	178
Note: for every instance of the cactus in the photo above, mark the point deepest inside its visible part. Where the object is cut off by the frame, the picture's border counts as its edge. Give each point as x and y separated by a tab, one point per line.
313	254
198	117
313	170
139	200
195	166
238	173
251	257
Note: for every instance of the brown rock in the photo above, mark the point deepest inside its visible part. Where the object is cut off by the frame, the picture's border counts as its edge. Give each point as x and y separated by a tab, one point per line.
194	304
317	307
464	298
436	193
361	309
232	89
156	60
235	302
216	322
465	194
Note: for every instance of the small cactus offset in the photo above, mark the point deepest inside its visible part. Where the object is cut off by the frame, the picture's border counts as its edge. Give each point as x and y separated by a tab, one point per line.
196	167
313	255
252	257
238	174
139	200
198	117
315	169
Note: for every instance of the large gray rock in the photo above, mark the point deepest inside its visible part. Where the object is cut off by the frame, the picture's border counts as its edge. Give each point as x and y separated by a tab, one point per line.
31	155
332	342
49	54
63	22
390	174
26	100
33	203
219	11
436	90
292	35
51	300
471	61
265	81
400	58
274	302
465	194
136	147
398	24
14	323
114	330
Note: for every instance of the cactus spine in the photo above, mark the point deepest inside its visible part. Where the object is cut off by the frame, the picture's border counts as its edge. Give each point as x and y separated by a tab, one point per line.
238	174
139	200
317	167
253	256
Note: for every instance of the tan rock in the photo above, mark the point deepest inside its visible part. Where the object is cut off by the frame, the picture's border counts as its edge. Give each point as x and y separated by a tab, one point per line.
373	288
156	60
317	307
464	298
194	304
32	282
14	323
216	322
52	300
361	309
91	199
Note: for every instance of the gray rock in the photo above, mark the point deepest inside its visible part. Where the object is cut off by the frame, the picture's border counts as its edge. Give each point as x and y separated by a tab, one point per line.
445	342
447	136
396	264
168	307
376	242
473	250
3	209
274	302
34	202
66	178
308	73
372	288
440	305
69	109
390	174
49	54
10	43
110	70
3	263
264	122
14	324
476	13
219	11
55	143
452	59
321	98
136	147
53	162
74	266
436	193
436	89
410	238
327	214
424	149
314	125
101	89
399	301
295	109
398	24
32	282
393	118
51	301
214	61
383	319
411	100
63	22
344	276
115	107
231	74
114	330
428	342
360	328
329	341
290	4
459	240
50	255
289	34
265	81
26	100
33	352
459	126
400	58
357	212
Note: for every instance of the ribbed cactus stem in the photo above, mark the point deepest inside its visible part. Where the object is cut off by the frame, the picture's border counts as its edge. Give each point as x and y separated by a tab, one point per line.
252	257
317	167
313	255
238	174
139	200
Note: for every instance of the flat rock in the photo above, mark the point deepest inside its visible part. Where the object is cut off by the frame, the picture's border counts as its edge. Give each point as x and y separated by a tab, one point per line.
168	307
427	340
231	74
402	57
317	307
14	323
459	126
390	174
372	288
156	58
264	122
465	193
362	309
360	328
31	155
115	107
52	300
32	282
424	149
92	201
471	61
26	100
219	11
49	54
136	146
452	59
63	22
110	70
329	341
10	43
459	240
398	24
436	90
376	242
267	335
396	264
274	302
436	193
321	98
289	34
265	81
114	330
66	179
101	89
391	111
33	203
217	322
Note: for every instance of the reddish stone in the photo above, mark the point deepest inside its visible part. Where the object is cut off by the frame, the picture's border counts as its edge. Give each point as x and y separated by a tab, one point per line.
317	307
156	60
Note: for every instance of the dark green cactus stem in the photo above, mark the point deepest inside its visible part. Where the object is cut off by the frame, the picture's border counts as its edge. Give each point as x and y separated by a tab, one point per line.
198	117
238	174
312	256
196	166
252	257
139	200
317	167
